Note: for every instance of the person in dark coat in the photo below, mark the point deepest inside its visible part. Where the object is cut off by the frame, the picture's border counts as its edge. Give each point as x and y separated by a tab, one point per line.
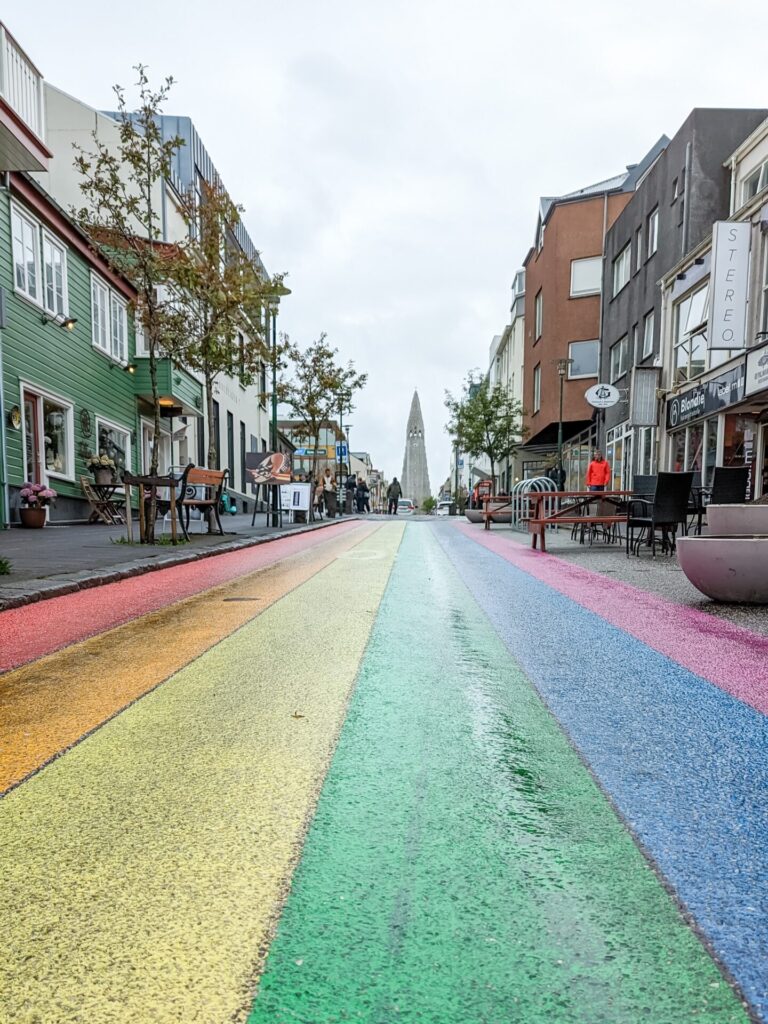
394	493
361	496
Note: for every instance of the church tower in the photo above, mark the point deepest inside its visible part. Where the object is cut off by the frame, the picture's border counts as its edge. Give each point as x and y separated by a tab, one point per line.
415	476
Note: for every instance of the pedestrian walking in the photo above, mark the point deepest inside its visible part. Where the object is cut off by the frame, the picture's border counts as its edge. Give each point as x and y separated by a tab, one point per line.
598	473
317	496
557	475
394	493
361	496
329	493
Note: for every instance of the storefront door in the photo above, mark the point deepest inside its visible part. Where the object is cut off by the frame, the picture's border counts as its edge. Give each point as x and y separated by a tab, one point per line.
32	447
740	446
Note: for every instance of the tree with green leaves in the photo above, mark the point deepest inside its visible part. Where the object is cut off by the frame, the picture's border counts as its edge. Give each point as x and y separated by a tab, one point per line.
318	387
122	187
223	295
485	420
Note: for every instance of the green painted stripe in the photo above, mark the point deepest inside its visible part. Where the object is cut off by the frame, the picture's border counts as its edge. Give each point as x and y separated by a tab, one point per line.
463	866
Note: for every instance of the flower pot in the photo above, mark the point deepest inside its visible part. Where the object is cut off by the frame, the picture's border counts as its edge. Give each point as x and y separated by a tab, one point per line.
32	518
103	477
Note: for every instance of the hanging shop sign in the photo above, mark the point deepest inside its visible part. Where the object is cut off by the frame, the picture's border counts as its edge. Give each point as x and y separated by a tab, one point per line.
757	370
729	285
706	399
602	396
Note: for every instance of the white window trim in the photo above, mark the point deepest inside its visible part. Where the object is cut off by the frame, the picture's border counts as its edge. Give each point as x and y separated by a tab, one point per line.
652	236
35	389
624	258
585	376
101	420
589	291
622	342
648	316
53	240
538	315
537	379
122	305
24	215
108	352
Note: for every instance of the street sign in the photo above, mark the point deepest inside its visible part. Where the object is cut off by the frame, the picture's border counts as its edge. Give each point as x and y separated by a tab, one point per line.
341	451
602	396
461	463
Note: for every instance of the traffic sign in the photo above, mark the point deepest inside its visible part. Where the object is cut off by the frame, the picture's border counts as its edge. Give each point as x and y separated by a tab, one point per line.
341	451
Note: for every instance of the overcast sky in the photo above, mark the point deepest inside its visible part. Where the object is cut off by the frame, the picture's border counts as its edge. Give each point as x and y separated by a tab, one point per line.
390	155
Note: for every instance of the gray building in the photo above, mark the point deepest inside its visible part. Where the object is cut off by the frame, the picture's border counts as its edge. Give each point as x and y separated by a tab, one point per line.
671	211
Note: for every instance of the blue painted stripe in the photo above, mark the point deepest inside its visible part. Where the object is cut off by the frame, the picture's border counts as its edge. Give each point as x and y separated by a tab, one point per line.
685	763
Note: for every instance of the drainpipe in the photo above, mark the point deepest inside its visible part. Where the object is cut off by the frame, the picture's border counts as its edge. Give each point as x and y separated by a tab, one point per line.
5	521
600	422
686	200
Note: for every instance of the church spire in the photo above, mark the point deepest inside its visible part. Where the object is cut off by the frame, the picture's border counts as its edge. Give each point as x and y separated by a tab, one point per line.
414	479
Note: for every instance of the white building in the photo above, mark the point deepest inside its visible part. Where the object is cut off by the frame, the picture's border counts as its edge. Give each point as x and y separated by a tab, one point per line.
241	415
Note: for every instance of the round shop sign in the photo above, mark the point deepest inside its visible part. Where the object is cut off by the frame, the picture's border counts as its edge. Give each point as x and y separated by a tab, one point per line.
602	396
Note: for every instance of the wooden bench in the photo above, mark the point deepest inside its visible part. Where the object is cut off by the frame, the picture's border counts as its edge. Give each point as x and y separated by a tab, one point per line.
539	529
212	481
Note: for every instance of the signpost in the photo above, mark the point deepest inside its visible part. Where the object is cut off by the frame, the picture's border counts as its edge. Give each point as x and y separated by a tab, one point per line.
602	396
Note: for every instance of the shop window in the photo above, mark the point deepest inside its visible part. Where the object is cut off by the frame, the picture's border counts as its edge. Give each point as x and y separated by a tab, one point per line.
585	356
677	452
740	445
57	437
586	276
114	442
618	358
621	266
618	452
646	451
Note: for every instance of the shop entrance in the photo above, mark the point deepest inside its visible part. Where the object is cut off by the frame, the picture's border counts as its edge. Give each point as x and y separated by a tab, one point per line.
740	447
33	455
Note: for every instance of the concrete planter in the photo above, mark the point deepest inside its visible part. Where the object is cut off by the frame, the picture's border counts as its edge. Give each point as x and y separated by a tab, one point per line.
731	569
475	515
737	520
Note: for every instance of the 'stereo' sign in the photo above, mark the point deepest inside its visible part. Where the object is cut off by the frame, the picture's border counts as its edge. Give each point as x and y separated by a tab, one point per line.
729	284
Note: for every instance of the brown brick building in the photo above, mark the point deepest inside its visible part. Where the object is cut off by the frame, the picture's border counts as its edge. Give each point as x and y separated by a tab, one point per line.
564	273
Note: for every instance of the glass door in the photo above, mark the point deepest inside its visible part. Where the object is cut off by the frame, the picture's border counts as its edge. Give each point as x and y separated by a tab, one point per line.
32	448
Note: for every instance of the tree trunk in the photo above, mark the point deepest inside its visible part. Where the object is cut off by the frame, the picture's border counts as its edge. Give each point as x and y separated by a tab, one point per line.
149	531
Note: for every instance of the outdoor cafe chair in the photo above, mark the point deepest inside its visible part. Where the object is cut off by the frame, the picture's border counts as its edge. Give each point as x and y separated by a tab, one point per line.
667	509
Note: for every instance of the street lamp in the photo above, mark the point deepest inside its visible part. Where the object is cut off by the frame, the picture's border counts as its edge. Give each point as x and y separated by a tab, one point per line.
562	369
276	292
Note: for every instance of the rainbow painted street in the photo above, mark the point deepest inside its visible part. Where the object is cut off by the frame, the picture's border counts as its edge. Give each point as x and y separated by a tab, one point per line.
381	773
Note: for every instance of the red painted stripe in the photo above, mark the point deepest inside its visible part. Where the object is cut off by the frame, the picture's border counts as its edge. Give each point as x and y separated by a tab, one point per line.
34	630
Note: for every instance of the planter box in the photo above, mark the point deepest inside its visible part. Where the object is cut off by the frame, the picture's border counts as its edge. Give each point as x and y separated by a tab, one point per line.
730	569
737	520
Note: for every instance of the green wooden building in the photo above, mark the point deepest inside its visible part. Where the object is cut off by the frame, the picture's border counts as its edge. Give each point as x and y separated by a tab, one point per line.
74	383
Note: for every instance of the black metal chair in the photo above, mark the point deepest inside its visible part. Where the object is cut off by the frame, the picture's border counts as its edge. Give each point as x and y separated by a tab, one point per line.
729	485
644	486
668	508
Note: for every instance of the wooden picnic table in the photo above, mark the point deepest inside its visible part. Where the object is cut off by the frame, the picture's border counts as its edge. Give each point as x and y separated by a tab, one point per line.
571	509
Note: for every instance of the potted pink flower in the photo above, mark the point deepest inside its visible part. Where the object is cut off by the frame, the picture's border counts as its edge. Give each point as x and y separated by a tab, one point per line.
35	498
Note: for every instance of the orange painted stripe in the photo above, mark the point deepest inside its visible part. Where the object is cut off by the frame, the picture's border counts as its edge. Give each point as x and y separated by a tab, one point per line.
48	705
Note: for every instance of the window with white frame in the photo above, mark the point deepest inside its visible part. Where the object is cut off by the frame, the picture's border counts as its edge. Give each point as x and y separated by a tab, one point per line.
586	276
652	231
109	321
538	315
618	360
26	254
634	345
119	336
764	311
100	314
621	266
649	322
690	340
585	355
754	183
58	437
114	442
537	388
54	276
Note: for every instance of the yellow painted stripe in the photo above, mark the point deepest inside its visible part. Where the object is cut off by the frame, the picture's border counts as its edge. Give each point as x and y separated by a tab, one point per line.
48	705
142	871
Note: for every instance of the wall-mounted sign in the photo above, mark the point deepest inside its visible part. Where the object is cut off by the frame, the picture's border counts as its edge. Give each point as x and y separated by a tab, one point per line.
706	399
729	285
602	396
757	370
14	417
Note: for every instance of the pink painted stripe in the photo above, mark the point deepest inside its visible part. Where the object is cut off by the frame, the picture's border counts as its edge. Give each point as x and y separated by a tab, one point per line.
34	630
729	656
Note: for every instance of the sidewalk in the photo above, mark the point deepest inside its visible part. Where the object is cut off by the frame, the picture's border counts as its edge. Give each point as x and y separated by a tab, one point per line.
61	559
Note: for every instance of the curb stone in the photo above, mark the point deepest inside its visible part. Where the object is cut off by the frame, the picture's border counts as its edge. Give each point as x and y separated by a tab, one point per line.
31	591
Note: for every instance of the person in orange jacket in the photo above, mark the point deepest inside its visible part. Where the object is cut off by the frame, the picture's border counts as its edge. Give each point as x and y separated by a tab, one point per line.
598	473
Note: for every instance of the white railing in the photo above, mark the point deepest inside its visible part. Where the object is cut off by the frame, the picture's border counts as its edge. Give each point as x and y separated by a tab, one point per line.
21	84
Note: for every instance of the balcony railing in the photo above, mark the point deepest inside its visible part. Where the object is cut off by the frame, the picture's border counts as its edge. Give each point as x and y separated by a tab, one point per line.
21	84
